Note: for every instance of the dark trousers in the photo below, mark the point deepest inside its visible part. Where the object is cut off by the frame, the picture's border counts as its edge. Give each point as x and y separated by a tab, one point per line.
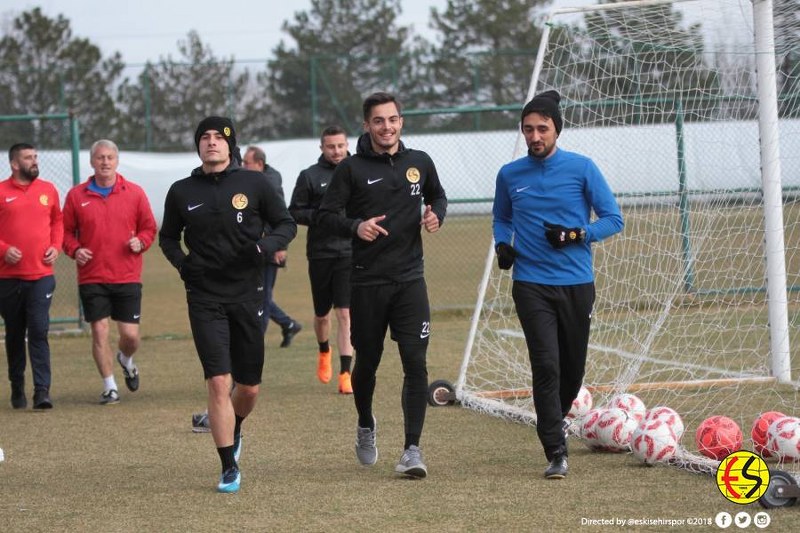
556	322
271	309
25	308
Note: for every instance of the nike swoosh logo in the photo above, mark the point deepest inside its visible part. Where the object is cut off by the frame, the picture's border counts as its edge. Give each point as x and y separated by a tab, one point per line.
323	184
261	313
370	182
84	204
424	335
520	189
11	199
193	207
136	317
48	295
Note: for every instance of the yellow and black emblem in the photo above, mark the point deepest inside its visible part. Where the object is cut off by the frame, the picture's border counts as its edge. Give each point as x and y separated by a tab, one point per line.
743	477
226	131
412	175
239	201
44	199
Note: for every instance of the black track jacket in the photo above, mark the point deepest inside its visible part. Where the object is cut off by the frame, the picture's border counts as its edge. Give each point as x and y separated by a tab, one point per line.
367	185
222	216
312	183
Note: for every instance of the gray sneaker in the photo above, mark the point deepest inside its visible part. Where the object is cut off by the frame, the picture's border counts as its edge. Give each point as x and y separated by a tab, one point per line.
366	449
411	463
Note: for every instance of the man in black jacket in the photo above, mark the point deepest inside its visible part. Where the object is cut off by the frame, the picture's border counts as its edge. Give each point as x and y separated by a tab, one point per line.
328	258
220	210
376	197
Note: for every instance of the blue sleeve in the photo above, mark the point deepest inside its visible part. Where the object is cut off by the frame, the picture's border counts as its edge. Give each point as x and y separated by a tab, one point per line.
501	210
609	217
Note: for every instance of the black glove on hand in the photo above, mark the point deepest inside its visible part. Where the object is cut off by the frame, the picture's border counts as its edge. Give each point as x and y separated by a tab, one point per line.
191	269
505	255
559	236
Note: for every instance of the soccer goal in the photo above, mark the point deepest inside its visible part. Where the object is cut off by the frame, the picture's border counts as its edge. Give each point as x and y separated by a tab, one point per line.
677	103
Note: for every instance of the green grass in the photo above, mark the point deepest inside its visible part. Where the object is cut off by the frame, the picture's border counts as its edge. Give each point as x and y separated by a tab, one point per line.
136	466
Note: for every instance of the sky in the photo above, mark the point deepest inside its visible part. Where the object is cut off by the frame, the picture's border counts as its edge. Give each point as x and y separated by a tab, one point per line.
143	30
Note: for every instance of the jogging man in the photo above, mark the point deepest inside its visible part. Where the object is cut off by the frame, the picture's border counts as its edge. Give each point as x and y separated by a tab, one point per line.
381	197
328	258
221	210
31	231
108	225
542	226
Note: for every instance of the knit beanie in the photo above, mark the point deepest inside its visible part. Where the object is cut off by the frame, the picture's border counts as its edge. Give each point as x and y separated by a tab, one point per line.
545	103
223	125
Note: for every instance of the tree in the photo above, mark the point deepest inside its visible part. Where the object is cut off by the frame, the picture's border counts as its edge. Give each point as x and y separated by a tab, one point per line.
787	51
45	70
345	49
172	96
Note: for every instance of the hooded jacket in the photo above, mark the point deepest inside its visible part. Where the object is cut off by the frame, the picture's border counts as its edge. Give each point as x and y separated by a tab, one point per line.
369	184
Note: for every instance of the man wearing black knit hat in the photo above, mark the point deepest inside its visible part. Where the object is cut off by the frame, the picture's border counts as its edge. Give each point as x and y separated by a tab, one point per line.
220	211
543	228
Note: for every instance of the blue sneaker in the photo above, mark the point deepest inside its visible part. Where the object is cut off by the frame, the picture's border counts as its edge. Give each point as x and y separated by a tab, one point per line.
230	480
237	447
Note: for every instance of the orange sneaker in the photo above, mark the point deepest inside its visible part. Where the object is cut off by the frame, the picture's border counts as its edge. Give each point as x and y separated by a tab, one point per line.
324	370
345	387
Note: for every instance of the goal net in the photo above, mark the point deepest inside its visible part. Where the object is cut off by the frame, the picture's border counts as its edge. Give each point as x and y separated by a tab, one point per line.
664	97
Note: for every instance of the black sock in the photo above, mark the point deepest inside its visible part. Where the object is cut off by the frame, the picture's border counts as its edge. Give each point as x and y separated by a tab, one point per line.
237	428
411	440
226	456
344	362
324	346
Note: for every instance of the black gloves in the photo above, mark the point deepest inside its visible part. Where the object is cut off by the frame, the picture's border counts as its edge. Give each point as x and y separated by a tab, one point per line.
559	236
191	269
505	255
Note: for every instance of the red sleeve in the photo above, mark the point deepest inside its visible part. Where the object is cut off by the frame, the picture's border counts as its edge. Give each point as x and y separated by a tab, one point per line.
56	222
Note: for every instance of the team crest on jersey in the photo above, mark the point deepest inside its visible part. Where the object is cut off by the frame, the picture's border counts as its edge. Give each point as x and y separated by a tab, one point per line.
412	175
44	200
239	201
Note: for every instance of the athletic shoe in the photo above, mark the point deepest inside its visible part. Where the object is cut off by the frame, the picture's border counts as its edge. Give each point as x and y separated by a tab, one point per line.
18	398
237	447
366	448
345	386
200	423
289	333
324	369
230	480
131	376
41	399
109	397
411	463
558	468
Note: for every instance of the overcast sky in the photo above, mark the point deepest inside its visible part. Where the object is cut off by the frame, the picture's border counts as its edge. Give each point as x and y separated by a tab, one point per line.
144	30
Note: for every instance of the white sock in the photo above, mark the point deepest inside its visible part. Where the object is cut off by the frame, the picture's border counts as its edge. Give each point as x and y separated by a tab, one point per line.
110	383
126	361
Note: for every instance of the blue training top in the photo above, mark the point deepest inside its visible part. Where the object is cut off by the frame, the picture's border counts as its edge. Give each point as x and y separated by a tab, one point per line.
562	189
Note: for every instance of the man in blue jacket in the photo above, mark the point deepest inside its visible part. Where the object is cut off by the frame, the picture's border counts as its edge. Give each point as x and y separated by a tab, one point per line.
542	226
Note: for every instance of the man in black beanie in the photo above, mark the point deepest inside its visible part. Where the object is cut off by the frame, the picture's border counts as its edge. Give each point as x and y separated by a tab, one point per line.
220	210
543	228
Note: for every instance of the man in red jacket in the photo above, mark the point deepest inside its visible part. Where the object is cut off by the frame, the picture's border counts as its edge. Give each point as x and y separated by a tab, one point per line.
108	225
31	229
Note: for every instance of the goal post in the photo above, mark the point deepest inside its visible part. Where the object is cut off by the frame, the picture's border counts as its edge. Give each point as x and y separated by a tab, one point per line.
677	104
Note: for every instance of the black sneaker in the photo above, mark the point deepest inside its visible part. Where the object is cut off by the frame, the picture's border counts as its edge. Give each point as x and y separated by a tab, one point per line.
200	423
290	332
131	376
41	399
558	468
18	398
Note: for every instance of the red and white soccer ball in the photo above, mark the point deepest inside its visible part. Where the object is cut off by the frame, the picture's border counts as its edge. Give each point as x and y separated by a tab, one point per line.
615	429
589	427
654	441
630	403
718	436
758	433
783	438
668	415
580	405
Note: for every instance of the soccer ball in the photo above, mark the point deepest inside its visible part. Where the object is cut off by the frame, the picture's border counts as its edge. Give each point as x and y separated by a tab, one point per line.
630	403
588	428
654	441
759	432
615	429
717	437
783	438
580	405
668	415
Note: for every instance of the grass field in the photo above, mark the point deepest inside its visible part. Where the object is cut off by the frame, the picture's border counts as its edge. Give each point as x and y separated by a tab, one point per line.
136	466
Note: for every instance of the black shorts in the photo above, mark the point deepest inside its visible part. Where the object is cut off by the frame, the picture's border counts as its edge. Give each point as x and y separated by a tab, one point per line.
330	284
121	301
402	307
229	339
